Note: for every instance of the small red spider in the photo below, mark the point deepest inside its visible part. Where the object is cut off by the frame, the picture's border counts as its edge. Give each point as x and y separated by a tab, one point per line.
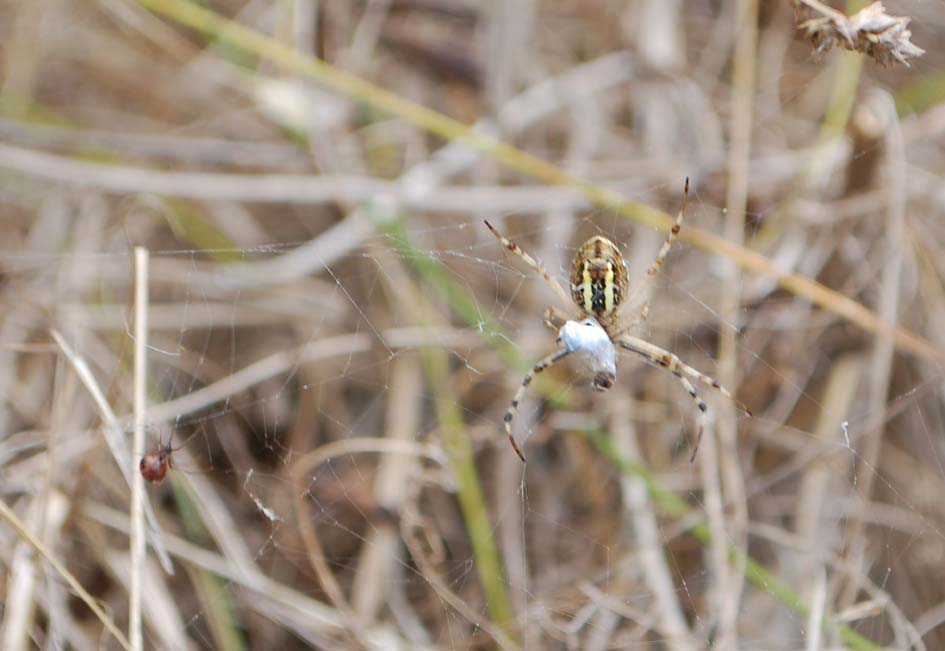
155	464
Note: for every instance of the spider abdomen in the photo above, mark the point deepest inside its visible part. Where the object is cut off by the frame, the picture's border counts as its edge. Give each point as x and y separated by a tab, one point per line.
154	464
598	277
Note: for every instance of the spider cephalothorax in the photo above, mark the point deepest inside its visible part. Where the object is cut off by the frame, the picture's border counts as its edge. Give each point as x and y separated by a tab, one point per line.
599	290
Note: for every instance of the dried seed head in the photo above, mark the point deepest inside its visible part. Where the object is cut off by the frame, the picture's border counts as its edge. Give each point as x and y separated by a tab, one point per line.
871	31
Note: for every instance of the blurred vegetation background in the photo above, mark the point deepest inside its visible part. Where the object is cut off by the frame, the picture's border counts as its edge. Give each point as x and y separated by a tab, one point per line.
334	336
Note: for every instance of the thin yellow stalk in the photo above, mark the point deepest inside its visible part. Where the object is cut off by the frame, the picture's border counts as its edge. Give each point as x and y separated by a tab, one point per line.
6	513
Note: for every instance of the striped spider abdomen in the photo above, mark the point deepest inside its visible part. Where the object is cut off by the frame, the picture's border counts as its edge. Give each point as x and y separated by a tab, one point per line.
598	277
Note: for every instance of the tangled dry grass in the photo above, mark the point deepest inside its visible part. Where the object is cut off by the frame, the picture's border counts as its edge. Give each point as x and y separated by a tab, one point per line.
333	336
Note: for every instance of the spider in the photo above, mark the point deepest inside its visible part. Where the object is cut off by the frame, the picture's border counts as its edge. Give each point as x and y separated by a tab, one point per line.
599	286
155	464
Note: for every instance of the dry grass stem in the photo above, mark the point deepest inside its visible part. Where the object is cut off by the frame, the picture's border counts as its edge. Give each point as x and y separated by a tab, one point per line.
137	540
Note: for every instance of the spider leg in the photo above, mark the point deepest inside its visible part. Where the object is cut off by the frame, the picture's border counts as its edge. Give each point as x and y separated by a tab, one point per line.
554	319
533	263
664	251
674	365
513	406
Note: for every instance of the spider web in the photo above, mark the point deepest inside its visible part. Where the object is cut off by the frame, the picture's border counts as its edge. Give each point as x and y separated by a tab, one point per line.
313	358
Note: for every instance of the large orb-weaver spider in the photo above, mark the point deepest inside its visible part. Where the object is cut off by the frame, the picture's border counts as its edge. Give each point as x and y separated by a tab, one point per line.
599	290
